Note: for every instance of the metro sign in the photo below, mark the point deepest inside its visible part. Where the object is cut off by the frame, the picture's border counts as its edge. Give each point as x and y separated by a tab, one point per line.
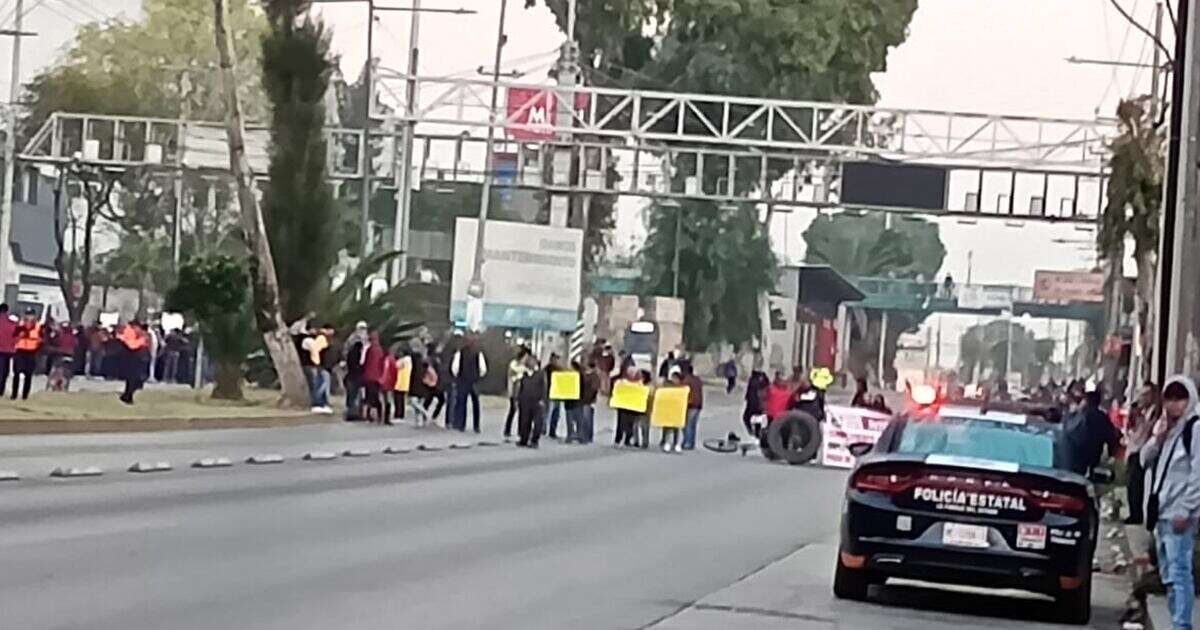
532	112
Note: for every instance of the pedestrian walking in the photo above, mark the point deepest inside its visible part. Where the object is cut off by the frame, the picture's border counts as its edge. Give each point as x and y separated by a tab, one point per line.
324	360
694	407
756	396
532	392
468	367
430	387
8	345
29	343
730	371
1172	455
516	372
403	384
136	361
1087	432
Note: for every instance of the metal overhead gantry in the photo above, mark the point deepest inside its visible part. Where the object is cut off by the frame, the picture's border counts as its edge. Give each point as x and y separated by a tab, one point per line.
734	150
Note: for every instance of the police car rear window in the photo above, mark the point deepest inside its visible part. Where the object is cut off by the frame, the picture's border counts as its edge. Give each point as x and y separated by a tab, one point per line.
1023	444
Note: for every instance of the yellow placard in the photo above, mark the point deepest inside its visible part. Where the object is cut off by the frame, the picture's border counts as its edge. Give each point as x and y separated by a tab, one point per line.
628	396
670	407
403	374
564	385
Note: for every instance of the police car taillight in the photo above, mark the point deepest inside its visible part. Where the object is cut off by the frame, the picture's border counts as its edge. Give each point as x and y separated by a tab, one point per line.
1058	502
881	481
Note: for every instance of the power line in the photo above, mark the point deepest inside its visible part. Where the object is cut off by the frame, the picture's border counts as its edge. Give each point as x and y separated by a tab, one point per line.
86	10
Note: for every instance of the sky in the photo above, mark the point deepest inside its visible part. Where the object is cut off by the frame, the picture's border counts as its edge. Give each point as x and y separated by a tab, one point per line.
988	56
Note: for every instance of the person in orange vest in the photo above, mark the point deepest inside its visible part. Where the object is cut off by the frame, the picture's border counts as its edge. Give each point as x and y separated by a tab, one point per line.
30	335
135	343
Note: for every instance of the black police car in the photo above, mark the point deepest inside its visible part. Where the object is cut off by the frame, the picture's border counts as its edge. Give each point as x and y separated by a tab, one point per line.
967	496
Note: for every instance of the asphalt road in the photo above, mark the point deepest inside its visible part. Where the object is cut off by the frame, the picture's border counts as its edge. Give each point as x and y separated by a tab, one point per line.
566	536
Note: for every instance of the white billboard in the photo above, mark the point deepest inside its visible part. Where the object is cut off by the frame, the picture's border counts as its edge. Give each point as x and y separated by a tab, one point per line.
531	274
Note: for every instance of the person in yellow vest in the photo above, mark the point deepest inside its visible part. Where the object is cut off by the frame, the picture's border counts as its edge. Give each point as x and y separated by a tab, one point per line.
135	345
30	338
404	369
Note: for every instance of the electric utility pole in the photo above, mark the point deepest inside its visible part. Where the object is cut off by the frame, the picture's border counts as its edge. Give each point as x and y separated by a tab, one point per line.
1175	336
7	266
475	291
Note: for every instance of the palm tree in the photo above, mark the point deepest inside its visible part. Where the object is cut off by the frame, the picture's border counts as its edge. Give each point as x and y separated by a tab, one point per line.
1132	212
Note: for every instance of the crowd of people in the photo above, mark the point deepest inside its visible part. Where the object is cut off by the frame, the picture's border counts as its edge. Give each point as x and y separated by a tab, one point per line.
32	345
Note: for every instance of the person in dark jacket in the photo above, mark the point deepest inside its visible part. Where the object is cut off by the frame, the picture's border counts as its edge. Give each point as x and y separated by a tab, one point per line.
136	363
1087	433
756	393
532	392
354	378
591	383
468	367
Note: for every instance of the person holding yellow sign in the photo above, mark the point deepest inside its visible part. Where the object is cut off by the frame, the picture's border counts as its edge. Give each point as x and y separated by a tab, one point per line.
669	411
631	399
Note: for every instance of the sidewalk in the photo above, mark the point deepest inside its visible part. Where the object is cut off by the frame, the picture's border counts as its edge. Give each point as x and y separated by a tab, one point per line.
795	593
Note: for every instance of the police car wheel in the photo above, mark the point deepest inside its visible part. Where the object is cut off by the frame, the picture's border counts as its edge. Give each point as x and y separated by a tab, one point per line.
1076	605
794	438
852	584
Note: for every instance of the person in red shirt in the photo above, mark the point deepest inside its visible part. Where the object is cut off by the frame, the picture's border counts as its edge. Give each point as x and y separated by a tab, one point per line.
62	358
779	395
8	344
387	384
372	362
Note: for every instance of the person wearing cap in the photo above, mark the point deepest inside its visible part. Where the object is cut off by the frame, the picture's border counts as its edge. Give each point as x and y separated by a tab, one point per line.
30	337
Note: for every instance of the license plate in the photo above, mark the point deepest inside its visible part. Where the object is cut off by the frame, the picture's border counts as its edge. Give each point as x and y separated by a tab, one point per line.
1031	536
959	535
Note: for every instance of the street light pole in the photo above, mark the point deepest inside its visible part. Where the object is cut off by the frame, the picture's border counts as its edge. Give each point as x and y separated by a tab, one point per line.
404	169
365	147
10	291
475	290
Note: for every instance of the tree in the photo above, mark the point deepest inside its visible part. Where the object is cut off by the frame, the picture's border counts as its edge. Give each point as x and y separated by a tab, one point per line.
1132	211
298	206
986	346
266	309
137	67
215	291
865	246
75	264
801	50
725	260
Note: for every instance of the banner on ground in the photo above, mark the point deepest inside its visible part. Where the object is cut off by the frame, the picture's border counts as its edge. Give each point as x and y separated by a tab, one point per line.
845	426
670	407
564	385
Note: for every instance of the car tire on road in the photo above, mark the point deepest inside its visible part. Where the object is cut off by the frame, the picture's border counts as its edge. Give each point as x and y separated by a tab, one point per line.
1076	606
803	438
852	584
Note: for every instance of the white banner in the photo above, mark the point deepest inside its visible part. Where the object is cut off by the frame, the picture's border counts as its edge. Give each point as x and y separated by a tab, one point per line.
845	426
530	274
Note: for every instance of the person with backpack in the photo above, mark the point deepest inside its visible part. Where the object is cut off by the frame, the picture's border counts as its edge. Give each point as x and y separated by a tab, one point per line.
1172	458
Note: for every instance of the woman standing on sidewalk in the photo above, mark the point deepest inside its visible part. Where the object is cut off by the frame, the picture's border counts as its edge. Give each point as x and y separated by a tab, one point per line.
1143	415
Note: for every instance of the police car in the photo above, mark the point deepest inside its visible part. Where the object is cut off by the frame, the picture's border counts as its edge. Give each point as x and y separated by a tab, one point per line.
968	496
